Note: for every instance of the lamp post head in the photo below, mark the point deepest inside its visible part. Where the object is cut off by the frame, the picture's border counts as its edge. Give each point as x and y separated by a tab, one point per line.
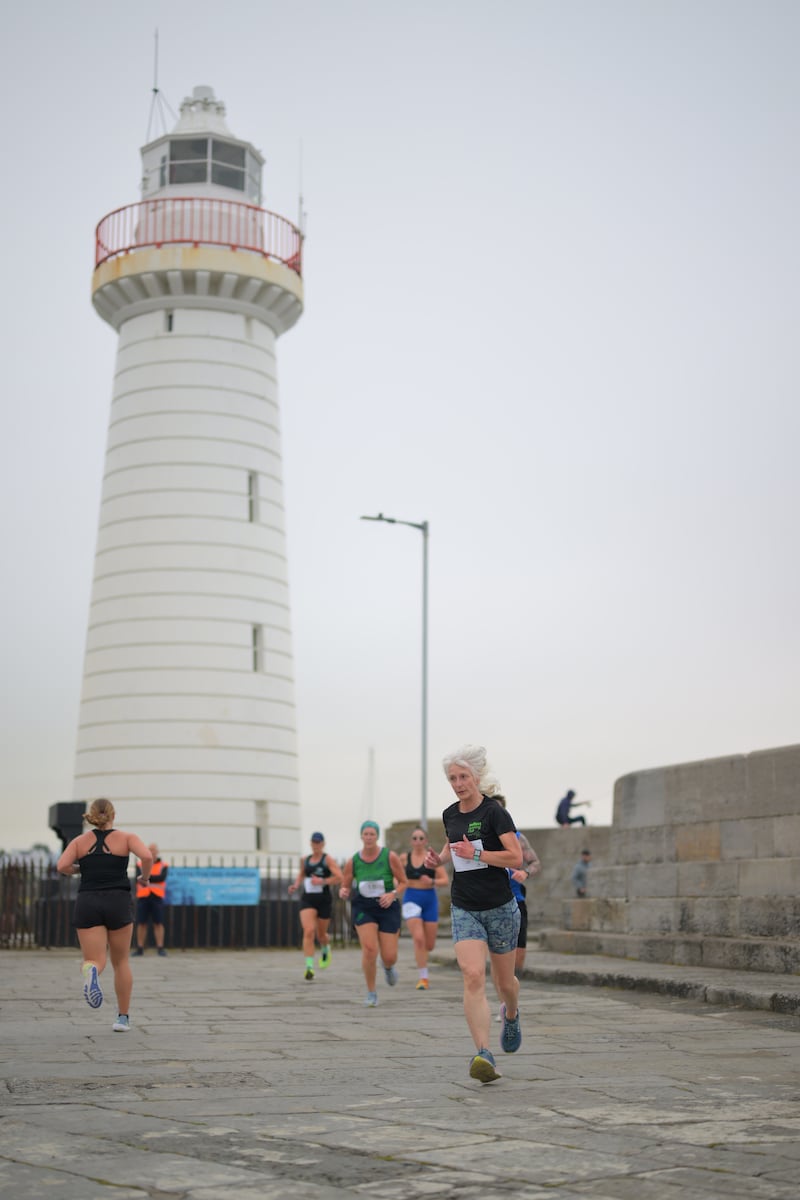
423	525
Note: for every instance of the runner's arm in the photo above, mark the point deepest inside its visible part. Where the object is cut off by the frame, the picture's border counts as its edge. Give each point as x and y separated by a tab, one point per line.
298	879
432	859
347	880
530	859
336	878
398	870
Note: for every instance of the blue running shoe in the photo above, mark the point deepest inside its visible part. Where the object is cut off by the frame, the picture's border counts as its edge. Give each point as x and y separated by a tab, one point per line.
482	1067
122	1024
92	992
510	1034
371	1000
391	975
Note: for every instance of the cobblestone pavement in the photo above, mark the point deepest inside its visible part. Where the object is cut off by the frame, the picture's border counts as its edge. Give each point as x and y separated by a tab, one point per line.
239	1081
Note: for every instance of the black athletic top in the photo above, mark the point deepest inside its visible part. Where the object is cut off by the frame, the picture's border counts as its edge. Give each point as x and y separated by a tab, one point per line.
319	871
102	871
485	887
413	872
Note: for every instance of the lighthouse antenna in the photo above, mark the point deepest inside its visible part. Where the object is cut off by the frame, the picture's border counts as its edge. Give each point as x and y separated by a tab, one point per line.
301	213
159	101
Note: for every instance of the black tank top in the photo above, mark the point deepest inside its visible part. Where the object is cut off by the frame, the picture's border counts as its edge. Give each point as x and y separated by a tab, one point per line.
102	871
417	872
319	870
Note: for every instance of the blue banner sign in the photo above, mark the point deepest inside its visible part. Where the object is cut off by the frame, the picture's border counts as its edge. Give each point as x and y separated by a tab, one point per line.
213	885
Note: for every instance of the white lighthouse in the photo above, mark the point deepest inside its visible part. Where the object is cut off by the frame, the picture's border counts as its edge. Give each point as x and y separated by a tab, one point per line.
187	718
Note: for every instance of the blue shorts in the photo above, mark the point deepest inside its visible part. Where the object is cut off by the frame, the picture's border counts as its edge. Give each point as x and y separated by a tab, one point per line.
424	899
498	927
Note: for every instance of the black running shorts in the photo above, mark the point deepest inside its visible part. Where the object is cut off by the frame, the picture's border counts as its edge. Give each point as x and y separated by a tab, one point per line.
112	908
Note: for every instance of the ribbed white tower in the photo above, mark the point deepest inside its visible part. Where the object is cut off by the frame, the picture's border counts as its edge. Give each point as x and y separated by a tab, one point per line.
187	719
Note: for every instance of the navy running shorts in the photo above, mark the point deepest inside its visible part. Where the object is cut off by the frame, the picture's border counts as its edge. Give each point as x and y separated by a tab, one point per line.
387	919
150	908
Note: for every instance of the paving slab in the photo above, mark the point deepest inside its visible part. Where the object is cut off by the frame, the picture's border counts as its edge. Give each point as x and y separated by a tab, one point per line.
240	1080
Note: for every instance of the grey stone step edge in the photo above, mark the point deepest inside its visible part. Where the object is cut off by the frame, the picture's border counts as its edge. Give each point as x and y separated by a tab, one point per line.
663	980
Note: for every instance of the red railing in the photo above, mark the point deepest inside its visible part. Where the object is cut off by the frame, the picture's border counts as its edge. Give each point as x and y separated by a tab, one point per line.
198	221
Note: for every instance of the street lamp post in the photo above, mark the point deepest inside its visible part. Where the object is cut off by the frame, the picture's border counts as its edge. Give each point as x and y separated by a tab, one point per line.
424	528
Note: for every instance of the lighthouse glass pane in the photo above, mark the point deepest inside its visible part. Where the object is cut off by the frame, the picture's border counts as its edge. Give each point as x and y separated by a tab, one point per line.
227	164
188	172
224	152
188	160
185	149
253	179
227	177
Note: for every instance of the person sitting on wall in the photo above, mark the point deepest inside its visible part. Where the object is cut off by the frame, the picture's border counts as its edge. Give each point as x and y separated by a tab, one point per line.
563	811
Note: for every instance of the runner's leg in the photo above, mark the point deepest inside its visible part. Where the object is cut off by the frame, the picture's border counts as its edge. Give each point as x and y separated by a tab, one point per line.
368	937
417	931
119	945
471	958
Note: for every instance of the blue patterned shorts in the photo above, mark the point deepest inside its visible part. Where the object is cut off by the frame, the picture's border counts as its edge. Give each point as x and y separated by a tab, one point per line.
498	927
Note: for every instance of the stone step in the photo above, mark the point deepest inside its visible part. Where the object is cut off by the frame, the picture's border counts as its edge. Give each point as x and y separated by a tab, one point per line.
779	955
724	916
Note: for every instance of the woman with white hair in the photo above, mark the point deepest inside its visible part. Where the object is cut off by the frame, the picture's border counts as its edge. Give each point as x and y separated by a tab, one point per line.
482	845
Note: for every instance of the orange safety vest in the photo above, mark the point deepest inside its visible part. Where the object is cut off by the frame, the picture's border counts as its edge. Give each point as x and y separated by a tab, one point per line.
157	883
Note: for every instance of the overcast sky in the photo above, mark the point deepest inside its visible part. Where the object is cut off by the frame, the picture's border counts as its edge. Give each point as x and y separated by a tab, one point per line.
551	308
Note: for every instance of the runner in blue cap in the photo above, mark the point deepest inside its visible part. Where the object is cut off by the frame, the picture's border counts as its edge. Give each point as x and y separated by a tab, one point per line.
316	875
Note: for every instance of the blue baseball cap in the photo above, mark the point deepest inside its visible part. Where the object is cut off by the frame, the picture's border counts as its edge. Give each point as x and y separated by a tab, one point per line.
318	837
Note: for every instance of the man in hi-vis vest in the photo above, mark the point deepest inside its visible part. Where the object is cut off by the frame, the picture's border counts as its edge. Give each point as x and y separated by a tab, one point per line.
150	904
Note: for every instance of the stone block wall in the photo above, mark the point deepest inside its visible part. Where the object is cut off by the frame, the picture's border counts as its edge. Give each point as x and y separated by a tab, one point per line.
702	867
558	849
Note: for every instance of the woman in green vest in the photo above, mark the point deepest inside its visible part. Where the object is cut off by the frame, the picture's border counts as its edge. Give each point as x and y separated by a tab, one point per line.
374	880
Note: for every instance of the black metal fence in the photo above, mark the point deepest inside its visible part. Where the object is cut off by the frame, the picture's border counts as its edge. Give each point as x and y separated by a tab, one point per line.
36	905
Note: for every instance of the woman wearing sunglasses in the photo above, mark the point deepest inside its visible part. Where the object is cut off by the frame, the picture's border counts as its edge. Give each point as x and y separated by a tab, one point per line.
420	902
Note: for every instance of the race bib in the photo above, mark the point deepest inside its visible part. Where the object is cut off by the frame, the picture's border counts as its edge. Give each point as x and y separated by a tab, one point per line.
467	864
411	910
313	885
372	888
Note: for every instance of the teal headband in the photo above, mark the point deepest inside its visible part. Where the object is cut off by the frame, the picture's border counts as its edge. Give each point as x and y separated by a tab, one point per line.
371	825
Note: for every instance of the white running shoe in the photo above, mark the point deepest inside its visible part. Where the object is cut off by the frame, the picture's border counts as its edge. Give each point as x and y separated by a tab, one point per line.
92	992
